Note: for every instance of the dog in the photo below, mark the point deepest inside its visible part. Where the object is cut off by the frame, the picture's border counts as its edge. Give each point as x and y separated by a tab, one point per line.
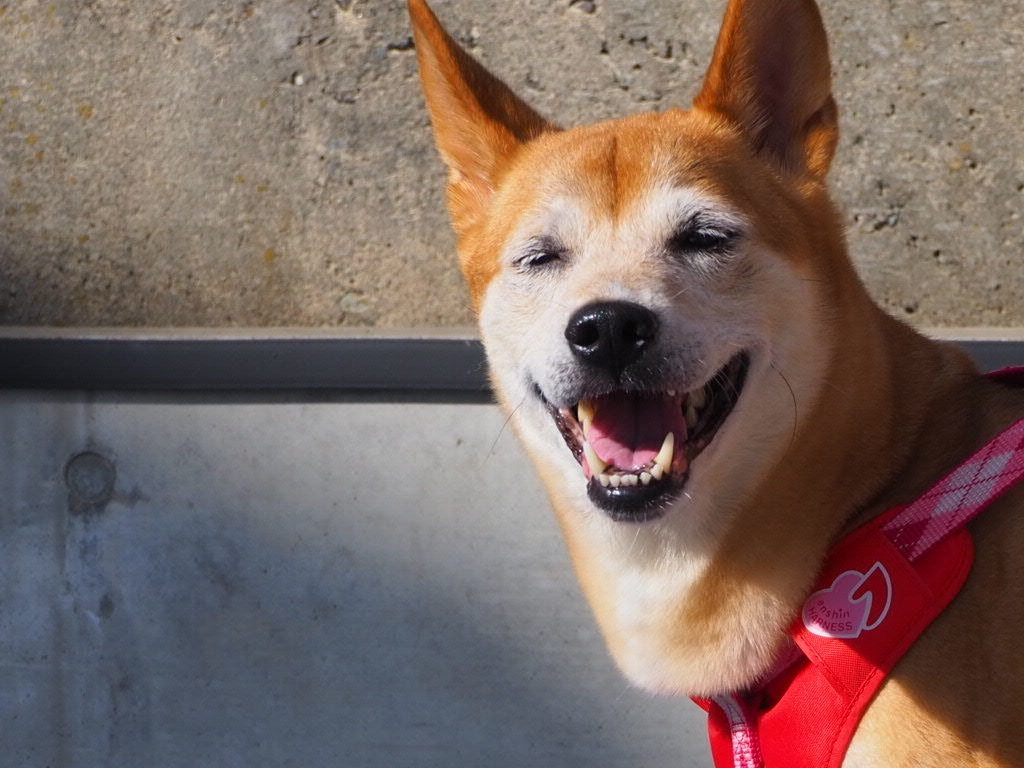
716	406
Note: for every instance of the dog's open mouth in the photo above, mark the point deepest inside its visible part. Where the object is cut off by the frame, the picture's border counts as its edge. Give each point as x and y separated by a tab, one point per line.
636	447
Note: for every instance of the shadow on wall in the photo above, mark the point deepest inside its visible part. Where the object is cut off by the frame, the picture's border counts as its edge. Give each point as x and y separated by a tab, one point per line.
264	164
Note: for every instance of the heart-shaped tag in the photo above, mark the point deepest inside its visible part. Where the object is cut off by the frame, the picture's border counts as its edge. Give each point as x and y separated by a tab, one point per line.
855	603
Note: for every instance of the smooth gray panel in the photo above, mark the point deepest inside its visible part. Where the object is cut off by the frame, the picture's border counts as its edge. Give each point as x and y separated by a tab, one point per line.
296	584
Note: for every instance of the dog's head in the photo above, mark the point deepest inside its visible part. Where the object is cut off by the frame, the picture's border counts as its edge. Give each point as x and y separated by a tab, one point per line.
655	295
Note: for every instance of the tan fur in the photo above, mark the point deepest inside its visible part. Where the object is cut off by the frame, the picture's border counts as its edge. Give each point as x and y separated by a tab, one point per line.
849	414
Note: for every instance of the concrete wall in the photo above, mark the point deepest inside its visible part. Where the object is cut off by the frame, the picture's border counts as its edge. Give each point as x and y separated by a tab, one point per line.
216	162
226	583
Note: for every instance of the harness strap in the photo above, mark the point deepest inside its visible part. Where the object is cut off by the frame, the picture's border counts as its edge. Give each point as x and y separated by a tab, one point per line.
959	496
742	718
915	530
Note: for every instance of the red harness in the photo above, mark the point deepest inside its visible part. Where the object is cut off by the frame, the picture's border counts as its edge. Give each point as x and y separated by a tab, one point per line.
880	588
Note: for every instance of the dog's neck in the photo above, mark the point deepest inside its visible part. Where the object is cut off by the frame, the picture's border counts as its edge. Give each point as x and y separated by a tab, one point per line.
912	407
902	409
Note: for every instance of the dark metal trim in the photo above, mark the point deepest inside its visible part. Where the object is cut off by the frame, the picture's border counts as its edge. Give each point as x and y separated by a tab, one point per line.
243	365
145	363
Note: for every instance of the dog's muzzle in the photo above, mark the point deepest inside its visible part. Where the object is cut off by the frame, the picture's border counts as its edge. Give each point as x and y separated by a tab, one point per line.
635	436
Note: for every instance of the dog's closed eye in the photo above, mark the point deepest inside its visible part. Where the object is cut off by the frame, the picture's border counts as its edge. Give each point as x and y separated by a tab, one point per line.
701	235
542	252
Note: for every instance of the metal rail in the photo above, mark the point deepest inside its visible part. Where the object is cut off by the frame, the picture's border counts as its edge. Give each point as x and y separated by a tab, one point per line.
213	364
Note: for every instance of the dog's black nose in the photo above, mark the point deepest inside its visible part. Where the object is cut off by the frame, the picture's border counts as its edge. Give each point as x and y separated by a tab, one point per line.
611	334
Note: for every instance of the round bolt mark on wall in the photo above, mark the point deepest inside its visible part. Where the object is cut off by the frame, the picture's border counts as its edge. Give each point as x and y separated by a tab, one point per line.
90	478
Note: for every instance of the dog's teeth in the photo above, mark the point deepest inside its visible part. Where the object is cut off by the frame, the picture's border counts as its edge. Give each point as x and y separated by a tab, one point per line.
657	471
604	480
645	478
691	415
630	480
597	466
698	398
585	413
668	445
615	480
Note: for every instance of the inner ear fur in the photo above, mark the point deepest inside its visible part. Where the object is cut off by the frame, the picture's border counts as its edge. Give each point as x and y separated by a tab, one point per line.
770	75
479	123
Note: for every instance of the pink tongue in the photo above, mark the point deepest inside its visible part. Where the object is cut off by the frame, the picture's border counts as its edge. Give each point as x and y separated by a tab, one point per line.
628	429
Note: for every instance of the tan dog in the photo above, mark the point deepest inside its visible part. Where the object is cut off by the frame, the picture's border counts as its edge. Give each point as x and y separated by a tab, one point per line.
682	277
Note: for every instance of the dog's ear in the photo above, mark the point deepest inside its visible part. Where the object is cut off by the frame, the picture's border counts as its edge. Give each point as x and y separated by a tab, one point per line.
478	122
770	75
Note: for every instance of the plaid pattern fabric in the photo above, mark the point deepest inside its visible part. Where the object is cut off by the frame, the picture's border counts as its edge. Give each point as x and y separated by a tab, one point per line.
960	496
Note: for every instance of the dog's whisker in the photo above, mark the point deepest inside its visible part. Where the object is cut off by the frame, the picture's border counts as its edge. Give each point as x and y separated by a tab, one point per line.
835	387
626	690
633	543
681	292
792	396
501	431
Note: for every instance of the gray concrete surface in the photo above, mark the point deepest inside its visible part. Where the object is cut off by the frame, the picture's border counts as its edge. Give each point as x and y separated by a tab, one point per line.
216	162
228	583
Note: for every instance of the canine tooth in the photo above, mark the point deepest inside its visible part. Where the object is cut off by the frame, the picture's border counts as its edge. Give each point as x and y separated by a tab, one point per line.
691	415
645	478
616	480
604	480
597	466
657	471
585	413
668	445
698	398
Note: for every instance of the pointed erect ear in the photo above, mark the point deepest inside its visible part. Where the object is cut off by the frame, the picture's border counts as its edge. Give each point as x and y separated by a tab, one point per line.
770	75
478	122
